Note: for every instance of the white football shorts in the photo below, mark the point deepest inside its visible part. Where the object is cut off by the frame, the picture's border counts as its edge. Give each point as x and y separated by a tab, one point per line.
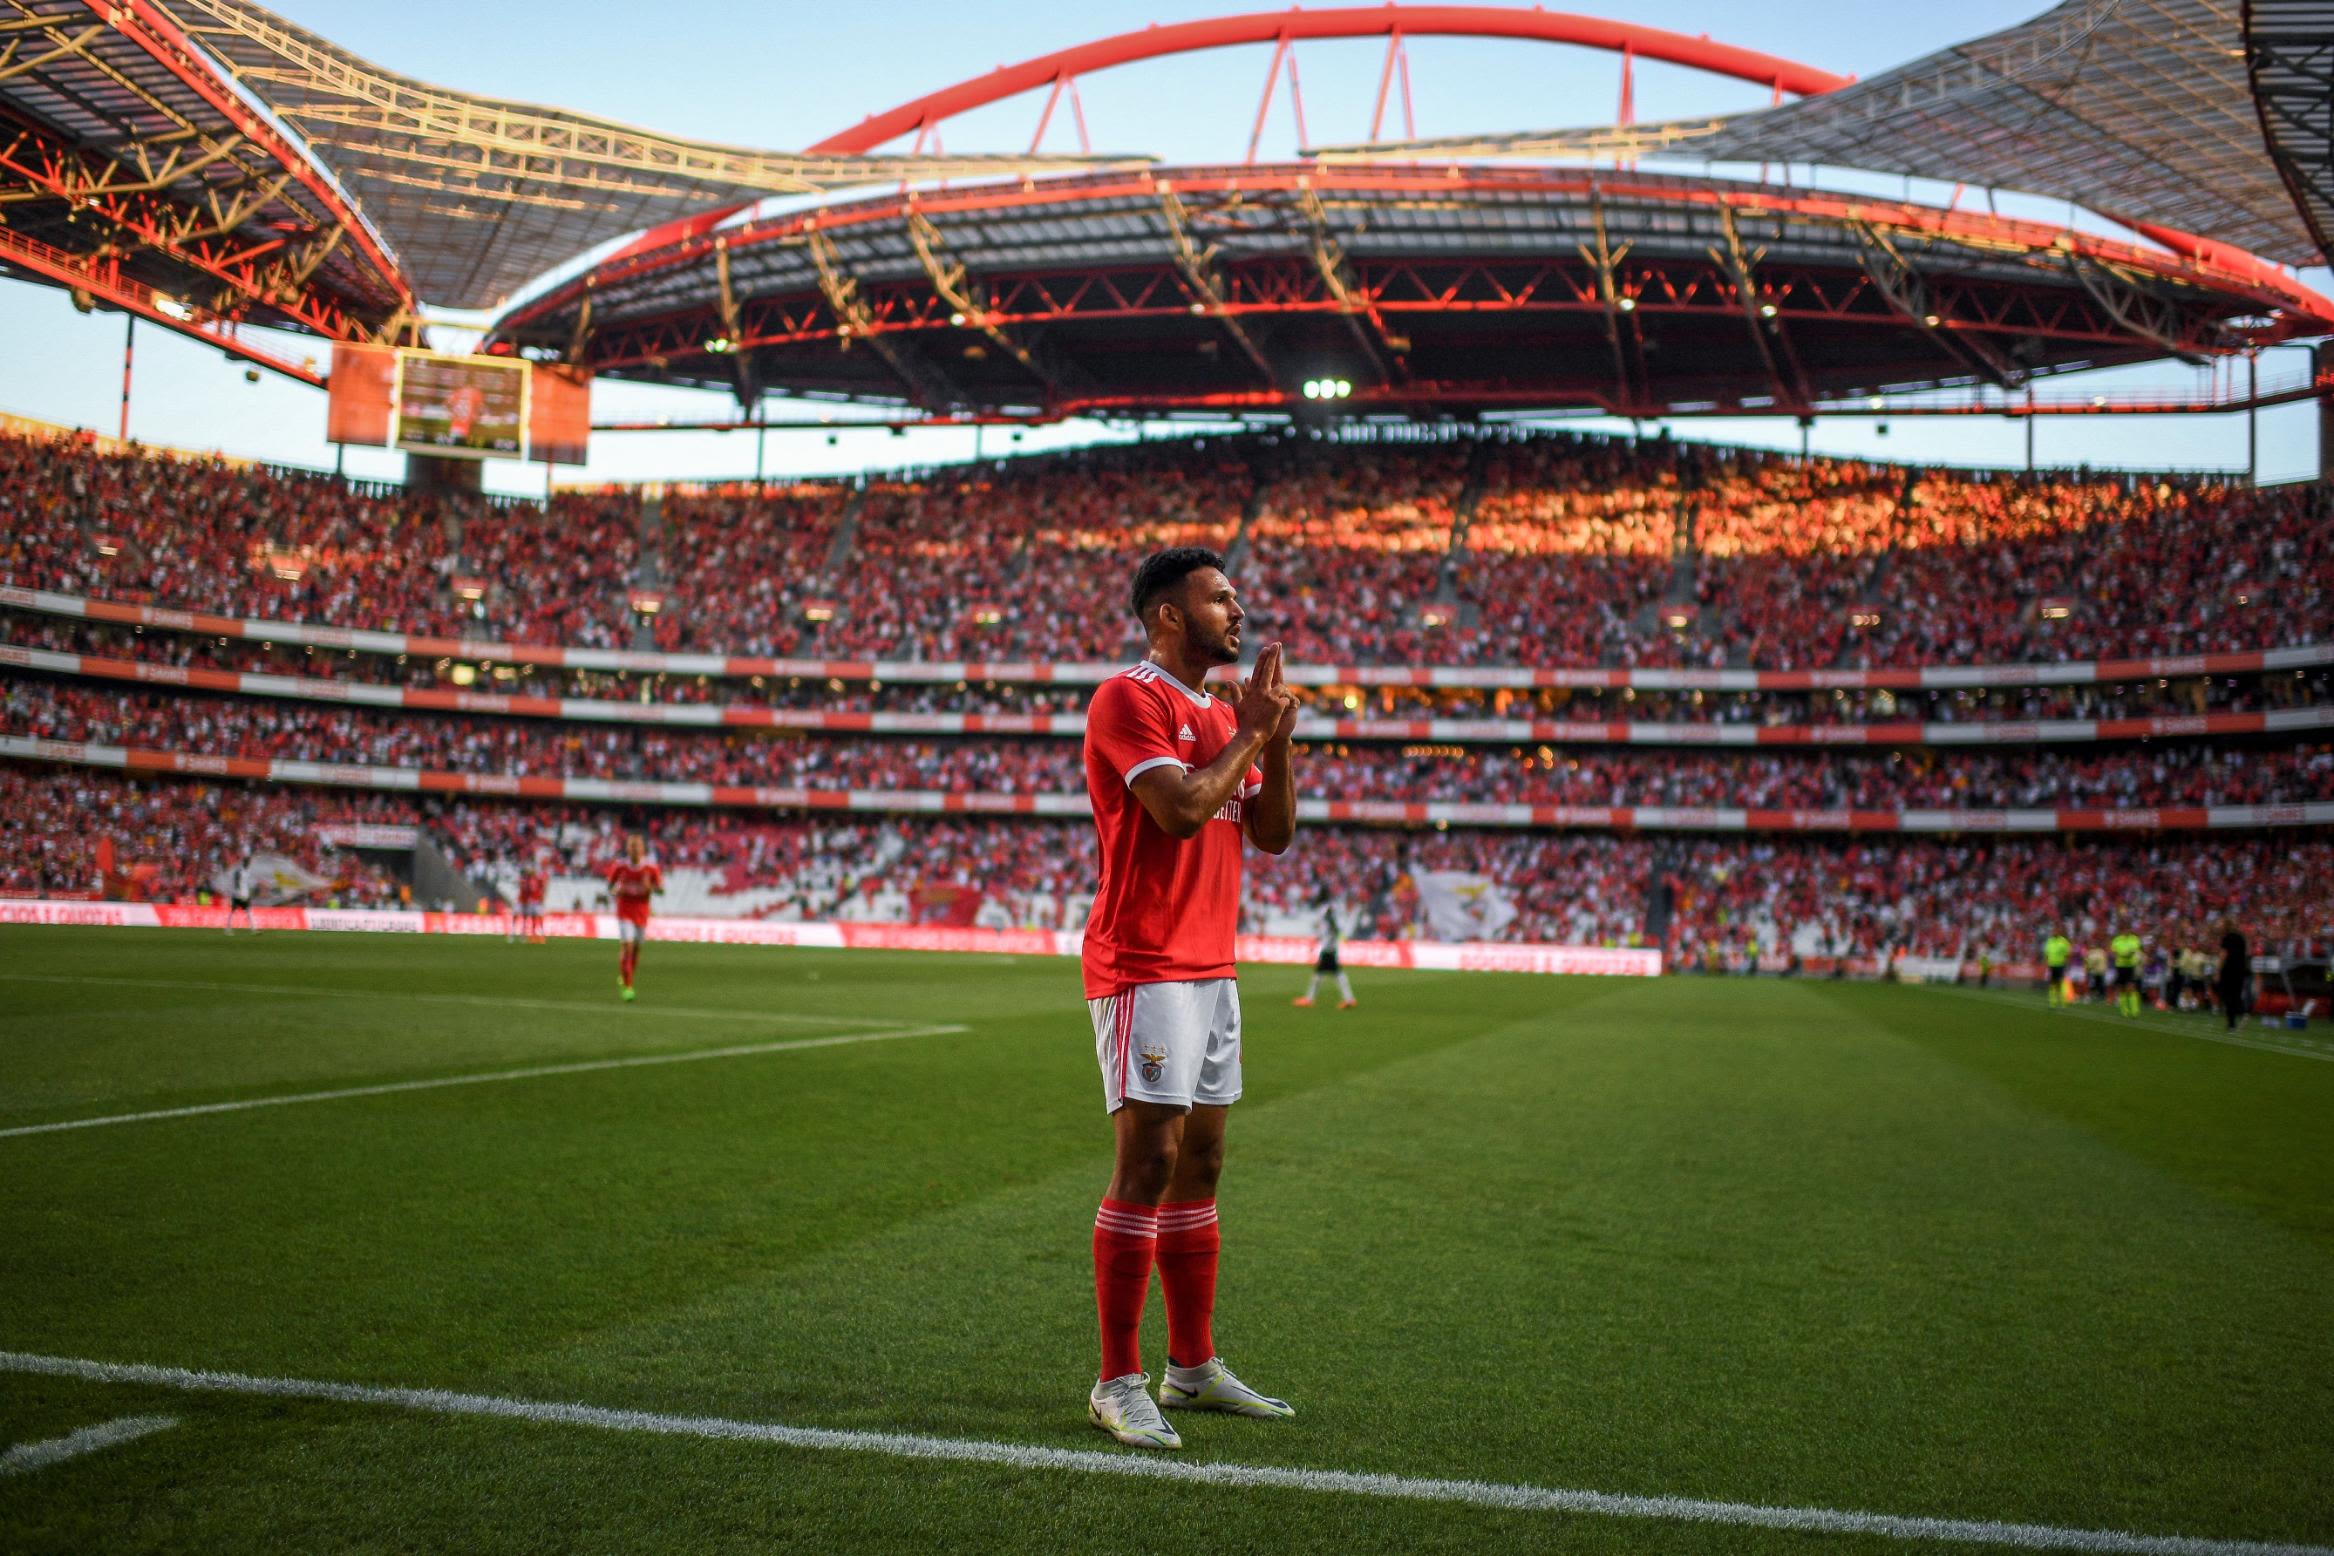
630	931
1171	1043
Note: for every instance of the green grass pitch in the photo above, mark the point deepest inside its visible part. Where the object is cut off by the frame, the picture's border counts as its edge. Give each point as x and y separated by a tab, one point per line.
1795	1245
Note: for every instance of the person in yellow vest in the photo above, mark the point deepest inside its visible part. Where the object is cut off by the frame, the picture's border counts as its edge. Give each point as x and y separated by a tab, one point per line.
2095	972
2055	952
2125	948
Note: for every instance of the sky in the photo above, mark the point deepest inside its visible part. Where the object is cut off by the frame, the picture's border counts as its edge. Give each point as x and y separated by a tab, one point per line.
781	74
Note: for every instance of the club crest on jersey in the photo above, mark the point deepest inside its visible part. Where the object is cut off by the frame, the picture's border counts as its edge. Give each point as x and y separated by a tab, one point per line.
1186	734
1153	1066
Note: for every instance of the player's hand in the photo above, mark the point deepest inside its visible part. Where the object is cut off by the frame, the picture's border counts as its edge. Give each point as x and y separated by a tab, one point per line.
1264	701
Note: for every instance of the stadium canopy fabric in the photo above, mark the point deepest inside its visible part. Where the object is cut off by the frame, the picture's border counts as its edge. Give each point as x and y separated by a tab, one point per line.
476	196
2134	108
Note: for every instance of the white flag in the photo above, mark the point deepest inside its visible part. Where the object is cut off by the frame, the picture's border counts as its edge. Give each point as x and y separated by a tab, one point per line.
274	877
1460	905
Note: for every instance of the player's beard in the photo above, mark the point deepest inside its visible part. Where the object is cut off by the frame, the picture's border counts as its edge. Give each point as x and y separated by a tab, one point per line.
1217	647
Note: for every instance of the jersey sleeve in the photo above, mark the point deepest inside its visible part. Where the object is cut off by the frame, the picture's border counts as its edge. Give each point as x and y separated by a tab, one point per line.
1253	784
1129	730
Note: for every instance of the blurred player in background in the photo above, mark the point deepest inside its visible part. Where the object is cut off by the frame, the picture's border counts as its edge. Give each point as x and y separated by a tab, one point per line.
2235	982
242	885
2055	952
1325	962
1179	780
2095	972
2125	949
528	920
632	880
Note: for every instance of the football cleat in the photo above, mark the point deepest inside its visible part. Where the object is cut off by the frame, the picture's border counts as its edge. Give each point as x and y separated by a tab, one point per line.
1303	1002
629	994
1347	1004
1212	1387
1123	1408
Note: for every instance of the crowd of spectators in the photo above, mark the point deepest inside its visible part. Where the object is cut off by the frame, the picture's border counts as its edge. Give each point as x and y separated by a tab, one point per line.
2167	772
2165	695
240	539
73	833
1498	548
1778	896
1994	897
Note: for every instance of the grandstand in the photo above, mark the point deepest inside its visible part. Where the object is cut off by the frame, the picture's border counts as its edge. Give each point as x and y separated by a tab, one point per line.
1797	1200
1525	653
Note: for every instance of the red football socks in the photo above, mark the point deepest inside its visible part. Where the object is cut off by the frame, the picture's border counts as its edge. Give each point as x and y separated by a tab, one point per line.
624	961
1124	1237
1188	1241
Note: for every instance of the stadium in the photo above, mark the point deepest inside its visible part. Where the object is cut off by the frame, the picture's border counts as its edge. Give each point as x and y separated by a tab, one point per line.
1786	971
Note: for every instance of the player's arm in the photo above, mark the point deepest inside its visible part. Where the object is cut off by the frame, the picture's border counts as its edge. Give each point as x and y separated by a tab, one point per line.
1182	802
1271	817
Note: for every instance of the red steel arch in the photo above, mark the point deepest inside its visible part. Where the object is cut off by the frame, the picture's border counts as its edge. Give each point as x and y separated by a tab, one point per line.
1296	25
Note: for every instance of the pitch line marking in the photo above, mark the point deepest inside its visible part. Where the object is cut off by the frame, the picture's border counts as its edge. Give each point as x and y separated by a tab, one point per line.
530	1072
497	1001
24	1458
2233	1040
901	1445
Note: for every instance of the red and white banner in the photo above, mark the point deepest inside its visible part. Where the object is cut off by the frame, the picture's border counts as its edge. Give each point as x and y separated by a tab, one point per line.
1461	731
1090	672
1261	949
1650	818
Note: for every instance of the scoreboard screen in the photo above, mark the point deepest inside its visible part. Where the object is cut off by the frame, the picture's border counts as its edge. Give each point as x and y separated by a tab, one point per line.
461	407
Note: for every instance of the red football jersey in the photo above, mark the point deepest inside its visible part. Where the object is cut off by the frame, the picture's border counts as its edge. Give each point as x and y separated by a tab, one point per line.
1166	908
531	887
631	883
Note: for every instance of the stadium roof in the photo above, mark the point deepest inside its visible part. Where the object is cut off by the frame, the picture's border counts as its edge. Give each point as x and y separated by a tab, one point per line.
2289	49
2139	108
1427	289
210	155
479	196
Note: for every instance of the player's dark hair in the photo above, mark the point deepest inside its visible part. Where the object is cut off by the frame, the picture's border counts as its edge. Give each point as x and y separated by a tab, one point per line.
1163	572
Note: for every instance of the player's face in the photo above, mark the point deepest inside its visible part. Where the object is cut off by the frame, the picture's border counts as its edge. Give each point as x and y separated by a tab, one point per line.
1212	617
634	849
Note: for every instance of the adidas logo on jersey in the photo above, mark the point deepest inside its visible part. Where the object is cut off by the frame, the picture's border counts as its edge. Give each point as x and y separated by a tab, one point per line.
1187	734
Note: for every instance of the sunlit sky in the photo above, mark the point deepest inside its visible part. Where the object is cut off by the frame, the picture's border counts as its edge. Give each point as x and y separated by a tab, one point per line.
785	75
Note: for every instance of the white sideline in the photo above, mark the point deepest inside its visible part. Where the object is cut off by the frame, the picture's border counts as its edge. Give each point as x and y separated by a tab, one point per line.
496	1001
1471	1493
27	1457
531	1072
2290	1047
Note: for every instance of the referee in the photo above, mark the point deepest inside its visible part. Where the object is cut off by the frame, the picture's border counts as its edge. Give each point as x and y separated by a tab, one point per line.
1326	964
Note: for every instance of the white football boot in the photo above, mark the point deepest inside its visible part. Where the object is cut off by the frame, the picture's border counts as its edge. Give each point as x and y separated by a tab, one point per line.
1211	1386
1123	1408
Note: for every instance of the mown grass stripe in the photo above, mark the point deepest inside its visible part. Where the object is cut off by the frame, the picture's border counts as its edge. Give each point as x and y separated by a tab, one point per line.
2161	1023
434	1083
490	1001
1473	1493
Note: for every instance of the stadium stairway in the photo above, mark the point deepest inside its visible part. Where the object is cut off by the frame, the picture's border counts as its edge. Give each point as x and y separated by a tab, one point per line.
648	572
1236	551
1446	587
1684	578
846	535
1660	901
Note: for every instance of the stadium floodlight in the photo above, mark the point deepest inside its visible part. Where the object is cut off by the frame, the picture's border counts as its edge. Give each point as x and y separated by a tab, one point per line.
1626	304
721	345
172	308
1931	320
1766	310
956	318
